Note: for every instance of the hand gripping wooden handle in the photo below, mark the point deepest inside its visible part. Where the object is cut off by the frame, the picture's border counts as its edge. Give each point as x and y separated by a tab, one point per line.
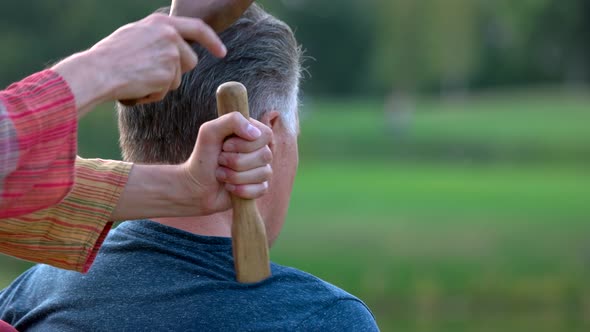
250	247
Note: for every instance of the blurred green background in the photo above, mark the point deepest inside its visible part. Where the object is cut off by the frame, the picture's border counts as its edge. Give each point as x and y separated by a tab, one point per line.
444	151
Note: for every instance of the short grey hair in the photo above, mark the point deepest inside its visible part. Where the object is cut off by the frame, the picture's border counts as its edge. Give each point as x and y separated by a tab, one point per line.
262	54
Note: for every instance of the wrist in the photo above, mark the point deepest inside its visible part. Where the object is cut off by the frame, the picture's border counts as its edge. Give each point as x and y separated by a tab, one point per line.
155	191
85	77
181	199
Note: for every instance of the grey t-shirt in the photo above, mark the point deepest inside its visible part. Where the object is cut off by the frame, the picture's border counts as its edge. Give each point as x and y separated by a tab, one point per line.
150	277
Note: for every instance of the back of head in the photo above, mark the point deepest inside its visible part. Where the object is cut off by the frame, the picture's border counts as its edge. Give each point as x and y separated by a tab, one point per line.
262	54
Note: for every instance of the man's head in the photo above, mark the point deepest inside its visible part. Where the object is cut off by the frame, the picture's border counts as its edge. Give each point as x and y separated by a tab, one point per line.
264	56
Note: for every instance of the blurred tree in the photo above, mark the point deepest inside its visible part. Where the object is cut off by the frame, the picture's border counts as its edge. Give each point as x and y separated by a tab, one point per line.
425	44
422	45
360	47
337	36
36	33
561	36
505	30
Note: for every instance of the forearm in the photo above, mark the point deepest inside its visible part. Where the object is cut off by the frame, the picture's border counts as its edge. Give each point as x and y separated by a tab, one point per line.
87	81
154	191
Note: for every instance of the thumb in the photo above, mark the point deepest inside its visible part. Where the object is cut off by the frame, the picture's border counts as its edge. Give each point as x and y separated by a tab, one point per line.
212	134
216	131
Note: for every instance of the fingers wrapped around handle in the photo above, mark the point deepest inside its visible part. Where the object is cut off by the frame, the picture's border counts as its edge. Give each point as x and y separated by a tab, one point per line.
250	245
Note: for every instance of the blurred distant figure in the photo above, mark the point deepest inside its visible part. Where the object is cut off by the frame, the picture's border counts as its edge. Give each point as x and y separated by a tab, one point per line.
399	111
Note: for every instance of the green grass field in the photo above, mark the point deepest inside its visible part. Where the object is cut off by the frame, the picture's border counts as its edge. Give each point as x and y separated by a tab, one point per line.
541	127
475	219
442	241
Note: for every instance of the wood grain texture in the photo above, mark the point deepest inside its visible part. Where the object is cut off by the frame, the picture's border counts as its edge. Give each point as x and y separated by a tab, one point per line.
250	246
219	14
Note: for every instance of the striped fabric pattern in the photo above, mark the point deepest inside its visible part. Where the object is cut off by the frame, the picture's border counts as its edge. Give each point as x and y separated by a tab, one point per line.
69	235
8	146
38	124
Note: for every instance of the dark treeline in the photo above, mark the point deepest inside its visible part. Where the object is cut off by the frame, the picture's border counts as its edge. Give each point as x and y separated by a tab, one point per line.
355	48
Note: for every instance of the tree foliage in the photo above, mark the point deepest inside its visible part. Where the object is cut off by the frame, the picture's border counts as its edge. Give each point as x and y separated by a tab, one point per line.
355	47
427	42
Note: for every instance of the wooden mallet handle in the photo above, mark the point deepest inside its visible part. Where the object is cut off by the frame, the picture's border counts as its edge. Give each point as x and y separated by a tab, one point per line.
250	247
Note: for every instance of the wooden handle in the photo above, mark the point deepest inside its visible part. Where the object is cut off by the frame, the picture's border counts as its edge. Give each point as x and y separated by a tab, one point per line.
218	14
129	102
250	247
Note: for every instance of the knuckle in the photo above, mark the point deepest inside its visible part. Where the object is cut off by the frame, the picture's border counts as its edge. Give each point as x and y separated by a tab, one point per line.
198	27
267	172
245	192
163	77
205	132
173	54
266	155
156	18
229	145
267	132
167	32
190	58
241	191
264	189
251	192
161	17
198	23
207	128
233	161
234	117
231	176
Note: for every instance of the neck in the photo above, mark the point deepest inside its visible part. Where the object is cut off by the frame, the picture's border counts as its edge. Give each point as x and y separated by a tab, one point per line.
218	224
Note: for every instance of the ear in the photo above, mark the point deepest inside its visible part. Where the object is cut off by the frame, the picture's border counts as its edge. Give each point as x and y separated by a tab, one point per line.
271	119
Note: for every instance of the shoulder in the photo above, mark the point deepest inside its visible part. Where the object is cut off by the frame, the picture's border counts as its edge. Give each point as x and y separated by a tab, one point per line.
16	298
340	315
307	281
330	307
36	285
